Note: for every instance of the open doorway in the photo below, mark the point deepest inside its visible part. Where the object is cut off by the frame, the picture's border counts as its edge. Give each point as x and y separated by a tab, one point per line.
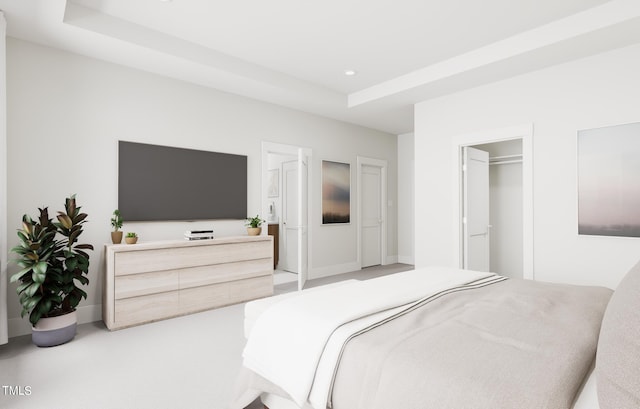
501	239
285	204
492	207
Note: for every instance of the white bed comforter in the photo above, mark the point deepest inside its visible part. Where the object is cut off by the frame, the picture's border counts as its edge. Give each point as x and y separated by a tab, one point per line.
289	339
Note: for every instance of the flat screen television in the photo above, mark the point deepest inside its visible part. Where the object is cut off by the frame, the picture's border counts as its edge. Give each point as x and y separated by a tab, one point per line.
162	183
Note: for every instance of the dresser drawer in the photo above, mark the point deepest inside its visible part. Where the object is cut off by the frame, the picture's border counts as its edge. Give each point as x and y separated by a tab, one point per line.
172	258
218	295
135	285
147	308
220	273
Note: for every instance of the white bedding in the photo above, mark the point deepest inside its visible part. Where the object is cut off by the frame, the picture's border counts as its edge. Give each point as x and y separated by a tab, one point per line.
254	309
587	398
285	347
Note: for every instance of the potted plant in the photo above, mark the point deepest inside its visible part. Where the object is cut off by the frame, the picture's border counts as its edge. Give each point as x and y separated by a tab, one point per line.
51	269
116	223
253	225
131	238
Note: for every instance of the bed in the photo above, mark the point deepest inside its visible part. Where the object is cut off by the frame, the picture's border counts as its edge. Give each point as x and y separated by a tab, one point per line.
444	338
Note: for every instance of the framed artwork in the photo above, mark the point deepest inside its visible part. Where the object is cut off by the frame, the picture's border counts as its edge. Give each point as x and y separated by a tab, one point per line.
609	181
273	185
336	192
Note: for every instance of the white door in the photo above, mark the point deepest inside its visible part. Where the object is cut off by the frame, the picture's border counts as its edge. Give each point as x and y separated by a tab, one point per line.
302	218
475	218
290	216
371	220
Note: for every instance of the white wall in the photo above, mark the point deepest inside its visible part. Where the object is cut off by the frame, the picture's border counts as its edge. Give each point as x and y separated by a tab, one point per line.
67	112
406	217
593	92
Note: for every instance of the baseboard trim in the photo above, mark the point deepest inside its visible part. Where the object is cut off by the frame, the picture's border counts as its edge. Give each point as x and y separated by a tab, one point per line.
86	314
320	272
406	260
392	260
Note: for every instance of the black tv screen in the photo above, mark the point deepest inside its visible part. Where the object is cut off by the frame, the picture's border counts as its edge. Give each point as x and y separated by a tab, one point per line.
157	183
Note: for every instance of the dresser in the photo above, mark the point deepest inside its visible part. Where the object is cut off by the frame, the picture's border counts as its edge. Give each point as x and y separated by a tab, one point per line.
151	281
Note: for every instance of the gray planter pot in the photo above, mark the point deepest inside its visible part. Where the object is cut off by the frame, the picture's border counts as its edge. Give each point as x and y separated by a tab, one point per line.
49	332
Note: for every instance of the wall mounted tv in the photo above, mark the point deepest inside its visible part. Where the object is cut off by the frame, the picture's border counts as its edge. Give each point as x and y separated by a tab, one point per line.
160	183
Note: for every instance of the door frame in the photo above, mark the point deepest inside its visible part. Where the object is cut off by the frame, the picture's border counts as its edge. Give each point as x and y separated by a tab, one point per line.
523	132
382	164
278	148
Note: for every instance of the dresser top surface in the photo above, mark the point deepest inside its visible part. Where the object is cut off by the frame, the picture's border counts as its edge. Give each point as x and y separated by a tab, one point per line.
151	245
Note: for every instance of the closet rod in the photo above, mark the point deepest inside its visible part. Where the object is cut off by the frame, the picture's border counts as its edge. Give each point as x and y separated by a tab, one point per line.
504	162
496	158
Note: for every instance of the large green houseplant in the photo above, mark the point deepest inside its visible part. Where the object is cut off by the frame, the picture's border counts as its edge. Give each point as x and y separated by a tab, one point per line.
53	264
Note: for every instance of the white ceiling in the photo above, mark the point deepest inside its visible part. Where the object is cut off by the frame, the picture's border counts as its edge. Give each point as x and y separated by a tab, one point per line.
294	52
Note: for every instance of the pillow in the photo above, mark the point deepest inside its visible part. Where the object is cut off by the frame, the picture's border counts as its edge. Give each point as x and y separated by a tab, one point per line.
618	356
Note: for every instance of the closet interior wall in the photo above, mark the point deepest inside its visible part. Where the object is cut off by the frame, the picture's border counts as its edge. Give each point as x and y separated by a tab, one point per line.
506	216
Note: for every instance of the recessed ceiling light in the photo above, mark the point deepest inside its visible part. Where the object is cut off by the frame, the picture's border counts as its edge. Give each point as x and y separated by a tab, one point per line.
350	73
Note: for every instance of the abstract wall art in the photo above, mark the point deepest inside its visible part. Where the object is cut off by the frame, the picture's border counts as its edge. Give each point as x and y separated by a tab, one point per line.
609	181
336	192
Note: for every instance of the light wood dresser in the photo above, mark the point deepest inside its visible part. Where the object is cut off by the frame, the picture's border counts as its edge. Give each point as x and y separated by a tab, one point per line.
150	281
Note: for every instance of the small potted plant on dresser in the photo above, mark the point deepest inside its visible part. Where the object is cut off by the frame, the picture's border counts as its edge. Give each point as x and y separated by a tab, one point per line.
131	238
254	225
116	223
51	268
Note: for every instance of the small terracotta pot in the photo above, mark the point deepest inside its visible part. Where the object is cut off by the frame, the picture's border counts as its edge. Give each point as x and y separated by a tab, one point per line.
254	231
116	237
131	240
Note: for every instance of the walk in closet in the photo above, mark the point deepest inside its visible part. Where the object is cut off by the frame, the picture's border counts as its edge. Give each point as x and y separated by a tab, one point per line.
506	207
